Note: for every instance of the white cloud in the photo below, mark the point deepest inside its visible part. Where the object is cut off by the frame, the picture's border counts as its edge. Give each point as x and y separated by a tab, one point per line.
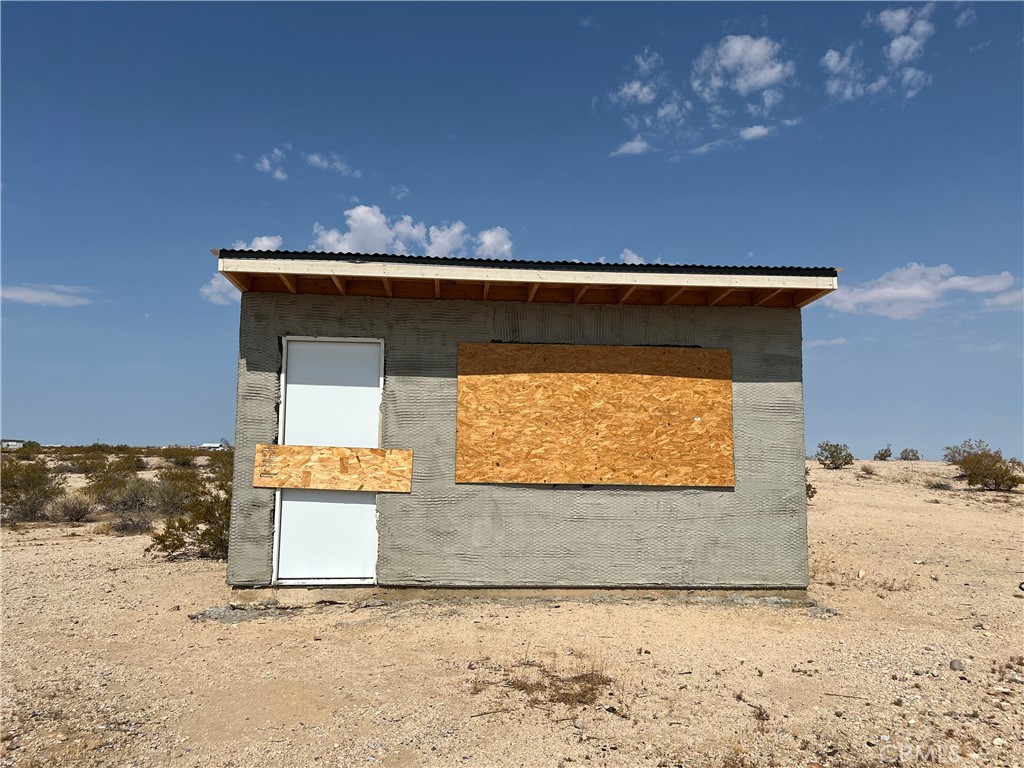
369	230
754	132
399	191
792	121
219	291
272	163
636	91
815	343
910	29
982	45
907	292
1008	300
647	61
744	64
331	162
495	243
913	80
635	146
259	243
996	346
47	295
711	146
447	240
630	257
845	70
589	22
966	17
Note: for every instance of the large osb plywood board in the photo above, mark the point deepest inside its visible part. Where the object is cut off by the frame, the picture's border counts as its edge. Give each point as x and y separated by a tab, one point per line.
609	415
332	468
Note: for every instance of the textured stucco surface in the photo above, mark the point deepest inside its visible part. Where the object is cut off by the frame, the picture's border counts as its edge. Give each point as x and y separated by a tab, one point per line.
444	534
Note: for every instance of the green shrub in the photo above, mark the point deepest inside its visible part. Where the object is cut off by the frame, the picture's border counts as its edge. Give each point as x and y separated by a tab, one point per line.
910	454
202	531
176	490
28	451
810	489
884	454
991	471
81	465
954	454
133	505
180	457
26	488
834	455
72	508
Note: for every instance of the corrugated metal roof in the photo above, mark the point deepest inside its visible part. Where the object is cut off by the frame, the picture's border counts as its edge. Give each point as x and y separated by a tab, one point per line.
390	258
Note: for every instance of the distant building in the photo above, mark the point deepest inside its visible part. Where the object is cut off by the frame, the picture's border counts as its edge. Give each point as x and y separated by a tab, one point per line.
11	445
223	445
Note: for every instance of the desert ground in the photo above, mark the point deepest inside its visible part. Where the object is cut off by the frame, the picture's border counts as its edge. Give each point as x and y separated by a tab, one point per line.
907	650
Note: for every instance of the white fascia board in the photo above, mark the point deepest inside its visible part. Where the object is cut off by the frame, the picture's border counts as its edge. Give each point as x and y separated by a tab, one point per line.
377	270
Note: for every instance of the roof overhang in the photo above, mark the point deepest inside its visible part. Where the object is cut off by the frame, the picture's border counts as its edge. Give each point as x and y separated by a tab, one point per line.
560	282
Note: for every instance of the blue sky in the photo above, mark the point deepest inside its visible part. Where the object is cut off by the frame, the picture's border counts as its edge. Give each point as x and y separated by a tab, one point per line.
884	139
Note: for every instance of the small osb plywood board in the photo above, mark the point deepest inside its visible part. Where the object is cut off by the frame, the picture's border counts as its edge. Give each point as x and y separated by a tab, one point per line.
554	413
330	468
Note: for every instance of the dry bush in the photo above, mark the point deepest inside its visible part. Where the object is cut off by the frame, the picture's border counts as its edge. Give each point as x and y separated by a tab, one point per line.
200	514
939	485
26	488
867	469
133	506
181	457
884	454
834	455
72	508
991	471
910	454
954	454
810	490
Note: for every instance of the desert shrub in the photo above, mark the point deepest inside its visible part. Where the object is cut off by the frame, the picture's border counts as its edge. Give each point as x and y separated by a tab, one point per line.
810	489
176	490
884	454
107	481
834	455
72	508
80	465
221	466
28	451
180	457
867	469
128	464
26	488
954	454
202	531
910	454
991	471
133	505
939	485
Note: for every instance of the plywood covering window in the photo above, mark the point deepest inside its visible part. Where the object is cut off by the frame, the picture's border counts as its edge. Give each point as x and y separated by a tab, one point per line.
611	415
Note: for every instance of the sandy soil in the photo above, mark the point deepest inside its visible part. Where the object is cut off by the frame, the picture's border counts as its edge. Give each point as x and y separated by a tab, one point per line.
102	664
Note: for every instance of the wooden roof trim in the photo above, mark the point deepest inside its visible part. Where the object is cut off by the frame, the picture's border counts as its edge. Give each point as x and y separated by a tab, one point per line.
378	271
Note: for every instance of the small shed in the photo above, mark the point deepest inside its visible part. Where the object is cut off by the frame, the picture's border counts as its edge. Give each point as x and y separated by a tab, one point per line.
416	421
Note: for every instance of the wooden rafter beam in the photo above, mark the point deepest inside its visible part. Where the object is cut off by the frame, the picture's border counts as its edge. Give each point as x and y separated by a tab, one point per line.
667	297
532	292
625	293
803	298
290	282
437	289
339	283
759	298
715	295
577	293
241	281
387	285
487	289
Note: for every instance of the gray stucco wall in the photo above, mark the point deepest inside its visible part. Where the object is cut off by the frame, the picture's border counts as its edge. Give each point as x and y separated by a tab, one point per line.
497	535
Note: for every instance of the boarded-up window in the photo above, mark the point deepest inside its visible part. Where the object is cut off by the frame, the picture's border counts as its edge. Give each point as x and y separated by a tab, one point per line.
556	413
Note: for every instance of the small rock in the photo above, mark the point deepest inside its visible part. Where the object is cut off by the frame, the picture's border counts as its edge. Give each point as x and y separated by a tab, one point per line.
860	574
957	665
929	647
997	742
898	702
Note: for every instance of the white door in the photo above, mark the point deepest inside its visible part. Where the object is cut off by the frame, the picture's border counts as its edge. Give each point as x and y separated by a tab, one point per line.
331	395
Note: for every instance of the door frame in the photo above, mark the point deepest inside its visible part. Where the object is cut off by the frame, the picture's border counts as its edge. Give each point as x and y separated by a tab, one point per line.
275	580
